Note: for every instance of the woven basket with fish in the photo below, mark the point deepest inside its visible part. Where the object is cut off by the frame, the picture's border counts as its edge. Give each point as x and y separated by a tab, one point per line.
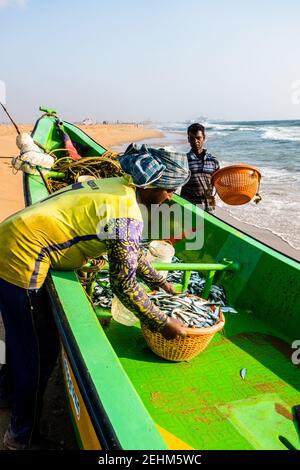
203	320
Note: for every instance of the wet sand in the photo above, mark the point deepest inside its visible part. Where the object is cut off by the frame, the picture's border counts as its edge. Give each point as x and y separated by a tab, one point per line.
265	236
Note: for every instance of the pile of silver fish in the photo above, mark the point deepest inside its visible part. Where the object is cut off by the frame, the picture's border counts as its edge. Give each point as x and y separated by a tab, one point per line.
193	313
196	284
102	294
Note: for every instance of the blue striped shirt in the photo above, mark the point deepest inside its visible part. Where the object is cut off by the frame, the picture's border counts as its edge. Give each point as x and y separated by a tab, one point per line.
199	189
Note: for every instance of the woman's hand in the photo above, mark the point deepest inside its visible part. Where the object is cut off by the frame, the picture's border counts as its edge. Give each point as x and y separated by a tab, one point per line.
172	329
167	287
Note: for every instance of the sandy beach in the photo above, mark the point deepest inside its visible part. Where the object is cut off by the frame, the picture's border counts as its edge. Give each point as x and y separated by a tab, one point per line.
11	185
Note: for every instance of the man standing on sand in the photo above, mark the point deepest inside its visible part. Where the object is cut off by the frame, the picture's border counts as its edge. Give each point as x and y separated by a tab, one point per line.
202	164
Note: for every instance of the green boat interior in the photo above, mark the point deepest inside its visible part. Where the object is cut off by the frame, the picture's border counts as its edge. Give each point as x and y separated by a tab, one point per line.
206	403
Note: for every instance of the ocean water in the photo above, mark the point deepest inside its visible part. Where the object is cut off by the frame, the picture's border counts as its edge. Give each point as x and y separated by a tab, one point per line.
271	146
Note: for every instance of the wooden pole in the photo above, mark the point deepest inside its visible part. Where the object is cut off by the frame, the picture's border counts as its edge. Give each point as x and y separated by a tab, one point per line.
11	119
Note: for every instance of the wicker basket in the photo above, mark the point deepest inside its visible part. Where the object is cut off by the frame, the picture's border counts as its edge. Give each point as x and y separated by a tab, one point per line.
182	348
236	184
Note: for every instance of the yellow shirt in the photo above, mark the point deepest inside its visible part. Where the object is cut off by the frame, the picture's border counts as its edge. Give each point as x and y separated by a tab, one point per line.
63	230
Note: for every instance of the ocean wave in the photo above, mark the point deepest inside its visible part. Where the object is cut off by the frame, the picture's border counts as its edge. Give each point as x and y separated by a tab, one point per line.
209	126
288	173
230	127
221	127
251	143
247	129
212	132
278	210
268	216
281	133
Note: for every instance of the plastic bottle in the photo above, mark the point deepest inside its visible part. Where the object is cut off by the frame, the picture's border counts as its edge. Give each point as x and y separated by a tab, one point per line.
121	314
160	251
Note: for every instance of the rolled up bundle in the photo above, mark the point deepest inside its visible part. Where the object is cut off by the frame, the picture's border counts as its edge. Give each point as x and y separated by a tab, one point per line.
31	159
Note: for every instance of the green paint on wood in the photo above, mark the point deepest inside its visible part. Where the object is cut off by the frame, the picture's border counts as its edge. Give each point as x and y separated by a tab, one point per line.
262	421
190	399
131	422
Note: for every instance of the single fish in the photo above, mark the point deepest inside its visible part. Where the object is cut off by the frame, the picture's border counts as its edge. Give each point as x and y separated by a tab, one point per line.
228	310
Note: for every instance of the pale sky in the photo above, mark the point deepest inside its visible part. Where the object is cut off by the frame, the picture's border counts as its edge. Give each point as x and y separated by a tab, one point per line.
164	60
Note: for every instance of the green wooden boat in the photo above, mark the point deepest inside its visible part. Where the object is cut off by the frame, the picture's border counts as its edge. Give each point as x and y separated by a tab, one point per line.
122	396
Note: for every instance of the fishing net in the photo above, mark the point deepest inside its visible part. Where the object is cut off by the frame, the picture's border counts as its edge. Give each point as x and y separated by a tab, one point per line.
67	171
